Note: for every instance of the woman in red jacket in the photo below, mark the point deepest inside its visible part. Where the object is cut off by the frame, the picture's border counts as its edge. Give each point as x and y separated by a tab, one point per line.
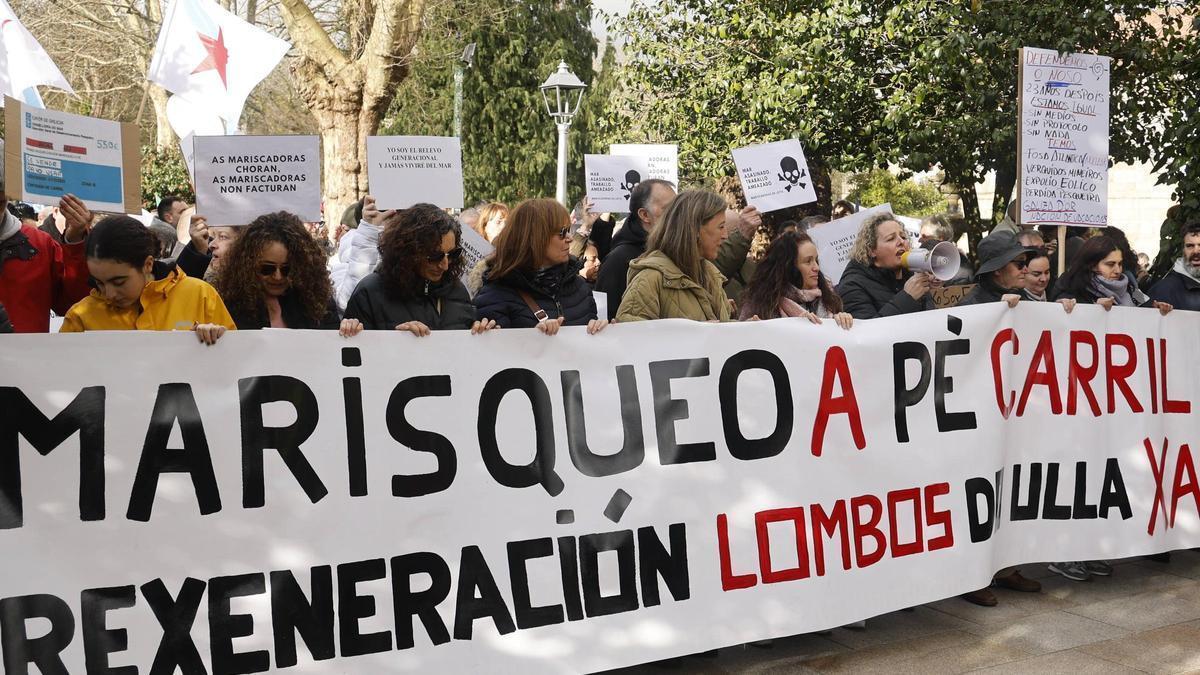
37	274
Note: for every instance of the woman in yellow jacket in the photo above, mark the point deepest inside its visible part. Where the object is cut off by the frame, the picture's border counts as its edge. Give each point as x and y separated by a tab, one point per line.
133	292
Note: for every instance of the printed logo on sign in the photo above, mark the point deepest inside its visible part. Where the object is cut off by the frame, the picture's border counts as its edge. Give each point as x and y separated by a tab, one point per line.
632	178
792	173
28	121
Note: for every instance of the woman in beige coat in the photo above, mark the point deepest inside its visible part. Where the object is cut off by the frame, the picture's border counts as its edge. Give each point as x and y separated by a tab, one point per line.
675	278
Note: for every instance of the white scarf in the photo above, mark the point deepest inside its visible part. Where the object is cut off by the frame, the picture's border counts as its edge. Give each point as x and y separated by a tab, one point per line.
1181	266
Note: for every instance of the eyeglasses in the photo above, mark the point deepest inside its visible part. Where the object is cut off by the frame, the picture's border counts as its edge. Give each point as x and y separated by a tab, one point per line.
269	269
452	254
1021	263
565	233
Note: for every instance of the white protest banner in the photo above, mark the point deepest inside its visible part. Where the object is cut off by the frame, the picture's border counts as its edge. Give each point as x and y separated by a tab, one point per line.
836	239
474	249
407	170
612	178
1062	147
662	159
239	178
509	502
51	153
775	175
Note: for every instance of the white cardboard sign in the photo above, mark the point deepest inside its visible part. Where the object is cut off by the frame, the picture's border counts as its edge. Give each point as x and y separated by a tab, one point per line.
663	158
407	170
239	178
775	175
475	248
1063	162
835	240
612	178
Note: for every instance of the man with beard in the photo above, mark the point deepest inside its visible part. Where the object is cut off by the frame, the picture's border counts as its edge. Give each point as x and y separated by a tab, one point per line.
1181	287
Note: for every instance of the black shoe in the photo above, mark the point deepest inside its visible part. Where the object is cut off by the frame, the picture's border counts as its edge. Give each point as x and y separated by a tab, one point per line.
1160	557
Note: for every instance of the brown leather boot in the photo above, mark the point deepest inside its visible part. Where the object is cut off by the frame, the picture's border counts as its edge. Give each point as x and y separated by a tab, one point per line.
982	597
1016	582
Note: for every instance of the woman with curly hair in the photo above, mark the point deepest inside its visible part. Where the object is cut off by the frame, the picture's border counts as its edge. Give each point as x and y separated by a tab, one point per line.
416	286
274	276
789	283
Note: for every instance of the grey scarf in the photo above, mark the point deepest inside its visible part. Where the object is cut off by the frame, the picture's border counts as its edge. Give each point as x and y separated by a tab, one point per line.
1122	290
1181	266
9	227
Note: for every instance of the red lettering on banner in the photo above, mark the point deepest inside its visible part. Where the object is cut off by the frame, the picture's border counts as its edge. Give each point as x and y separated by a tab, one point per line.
1006	335
837	368
729	580
894	498
870	528
1080	377
1041	371
828	525
1158	469
1116	375
935	517
761	520
1169	406
1152	366
1179	489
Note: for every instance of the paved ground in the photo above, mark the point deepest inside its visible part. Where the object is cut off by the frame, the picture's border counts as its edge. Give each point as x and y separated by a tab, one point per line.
1144	618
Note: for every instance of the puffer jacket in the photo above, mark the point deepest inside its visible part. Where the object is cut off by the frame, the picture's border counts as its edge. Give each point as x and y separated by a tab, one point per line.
627	244
987	291
870	292
173	301
658	289
441	306
500	299
1178	288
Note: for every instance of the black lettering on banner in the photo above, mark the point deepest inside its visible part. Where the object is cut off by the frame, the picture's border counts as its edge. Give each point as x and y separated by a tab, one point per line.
473	575
519	555
407	603
540	469
84	414
292	613
944	384
356	442
633	447
1050	509
1113	494
906	397
44	652
421	441
175	615
655	560
174	403
1030	510
668	411
253	394
98	639
568	565
980	527
759	448
590	548
352	607
224	626
1081	510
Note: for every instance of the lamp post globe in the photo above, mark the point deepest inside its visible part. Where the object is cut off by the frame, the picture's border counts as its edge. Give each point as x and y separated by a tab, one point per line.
562	93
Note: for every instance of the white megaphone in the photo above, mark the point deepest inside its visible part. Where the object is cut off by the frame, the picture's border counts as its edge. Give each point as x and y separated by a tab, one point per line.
942	261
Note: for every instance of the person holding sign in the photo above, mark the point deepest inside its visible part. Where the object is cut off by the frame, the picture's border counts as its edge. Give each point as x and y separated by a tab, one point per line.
676	277
788	283
1096	275
274	276
532	280
133	291
37	273
416	287
875	282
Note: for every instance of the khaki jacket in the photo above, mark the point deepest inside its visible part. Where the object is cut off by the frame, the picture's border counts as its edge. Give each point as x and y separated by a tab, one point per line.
659	290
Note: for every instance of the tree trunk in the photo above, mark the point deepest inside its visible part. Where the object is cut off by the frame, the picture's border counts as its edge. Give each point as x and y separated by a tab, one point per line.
343	161
970	207
165	137
1006	178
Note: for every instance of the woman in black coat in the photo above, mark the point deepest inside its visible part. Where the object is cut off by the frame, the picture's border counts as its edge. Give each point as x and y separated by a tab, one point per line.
416	287
1097	275
875	282
274	276
532	280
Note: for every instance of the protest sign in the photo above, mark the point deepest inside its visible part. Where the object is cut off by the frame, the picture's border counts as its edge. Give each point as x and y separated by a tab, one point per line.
662	159
51	153
474	248
836	239
775	175
407	170
239	178
612	178
1062	147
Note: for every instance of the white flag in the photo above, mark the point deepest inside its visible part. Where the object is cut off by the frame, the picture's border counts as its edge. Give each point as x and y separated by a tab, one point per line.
212	57
24	63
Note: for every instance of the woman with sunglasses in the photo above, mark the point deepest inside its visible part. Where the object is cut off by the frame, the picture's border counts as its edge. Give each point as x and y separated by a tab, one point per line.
532	280
274	276
416	287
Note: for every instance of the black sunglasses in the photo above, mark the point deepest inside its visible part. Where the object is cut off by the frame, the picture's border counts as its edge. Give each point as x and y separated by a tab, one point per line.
269	269
452	254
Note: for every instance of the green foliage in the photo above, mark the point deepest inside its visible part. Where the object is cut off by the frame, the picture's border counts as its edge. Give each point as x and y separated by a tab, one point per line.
509	142
164	173
863	83
907	197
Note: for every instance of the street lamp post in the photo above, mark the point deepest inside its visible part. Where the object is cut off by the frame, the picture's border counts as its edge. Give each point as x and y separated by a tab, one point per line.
467	58
562	93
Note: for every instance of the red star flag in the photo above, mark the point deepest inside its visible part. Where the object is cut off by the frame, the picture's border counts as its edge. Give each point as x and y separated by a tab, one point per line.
23	63
211	57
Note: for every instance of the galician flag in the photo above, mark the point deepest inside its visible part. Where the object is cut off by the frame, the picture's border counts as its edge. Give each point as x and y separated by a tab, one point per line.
211	57
23	63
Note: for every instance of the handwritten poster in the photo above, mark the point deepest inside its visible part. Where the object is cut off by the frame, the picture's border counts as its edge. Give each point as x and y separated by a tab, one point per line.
1062	164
